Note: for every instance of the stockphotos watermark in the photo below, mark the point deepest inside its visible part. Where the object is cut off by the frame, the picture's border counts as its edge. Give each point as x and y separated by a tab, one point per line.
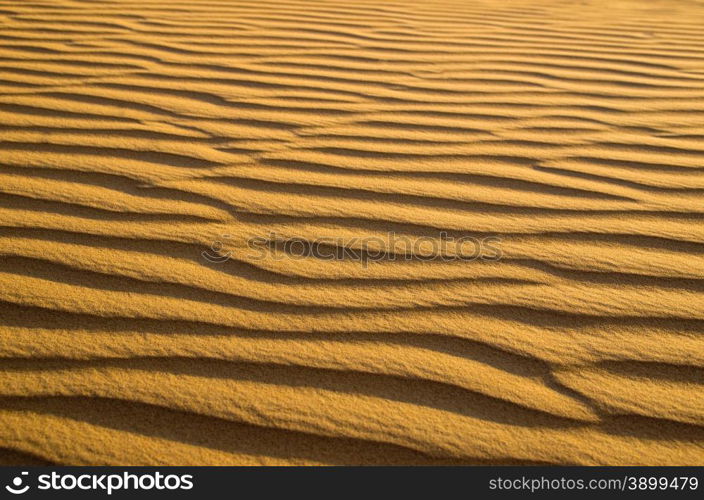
101	483
390	247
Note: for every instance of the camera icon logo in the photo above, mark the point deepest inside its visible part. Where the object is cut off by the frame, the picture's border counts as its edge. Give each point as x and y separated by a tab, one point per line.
16	488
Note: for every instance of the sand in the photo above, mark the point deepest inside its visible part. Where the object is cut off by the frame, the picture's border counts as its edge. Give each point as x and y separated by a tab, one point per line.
144	145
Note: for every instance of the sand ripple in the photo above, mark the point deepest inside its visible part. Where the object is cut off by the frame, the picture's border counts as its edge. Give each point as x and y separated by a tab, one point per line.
133	135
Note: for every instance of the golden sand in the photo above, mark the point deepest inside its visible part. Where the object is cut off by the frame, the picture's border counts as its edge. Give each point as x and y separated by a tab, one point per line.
136	134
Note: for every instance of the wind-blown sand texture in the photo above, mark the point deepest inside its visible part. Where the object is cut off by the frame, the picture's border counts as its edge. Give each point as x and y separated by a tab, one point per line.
134	134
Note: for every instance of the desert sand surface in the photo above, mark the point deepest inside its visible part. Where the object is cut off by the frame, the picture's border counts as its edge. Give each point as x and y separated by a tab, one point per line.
140	138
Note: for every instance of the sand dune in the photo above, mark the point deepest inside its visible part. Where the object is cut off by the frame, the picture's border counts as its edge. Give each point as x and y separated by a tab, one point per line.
145	145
